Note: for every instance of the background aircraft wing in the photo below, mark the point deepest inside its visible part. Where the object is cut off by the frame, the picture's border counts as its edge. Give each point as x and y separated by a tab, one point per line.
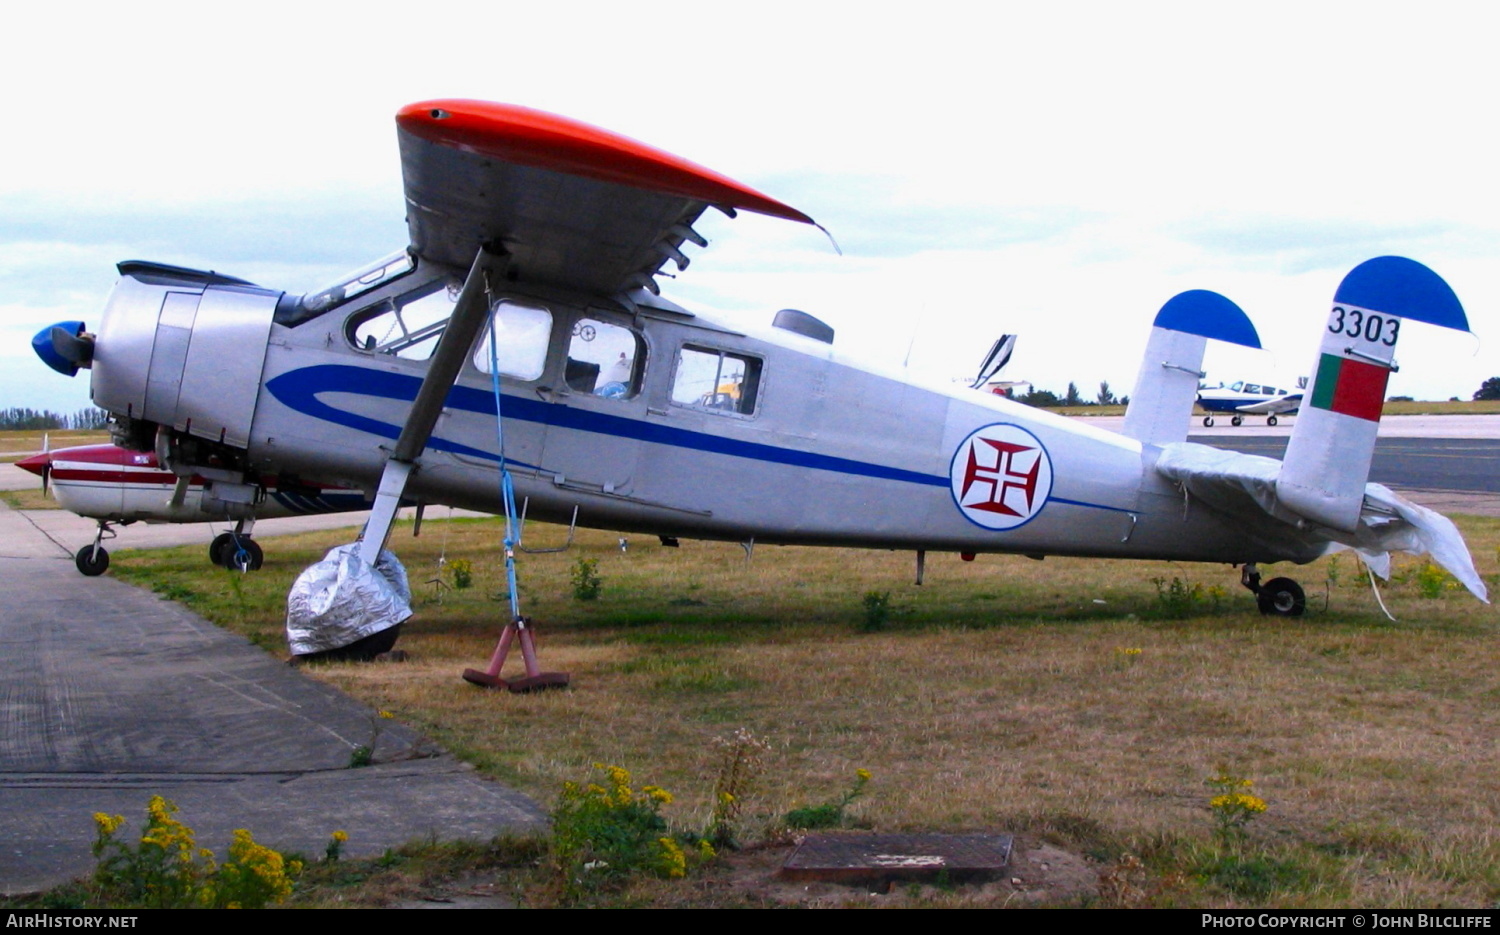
1274	406
566	203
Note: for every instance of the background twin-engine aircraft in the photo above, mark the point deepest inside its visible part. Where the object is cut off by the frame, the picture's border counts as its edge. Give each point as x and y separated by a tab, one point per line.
523	326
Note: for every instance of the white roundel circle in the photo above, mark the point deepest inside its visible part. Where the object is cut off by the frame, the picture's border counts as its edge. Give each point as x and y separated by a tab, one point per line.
1000	476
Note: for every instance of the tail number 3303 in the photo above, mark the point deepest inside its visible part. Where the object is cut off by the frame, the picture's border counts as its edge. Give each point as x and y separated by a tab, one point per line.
1358	323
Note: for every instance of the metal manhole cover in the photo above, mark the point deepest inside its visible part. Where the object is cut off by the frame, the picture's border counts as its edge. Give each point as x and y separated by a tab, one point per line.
851	858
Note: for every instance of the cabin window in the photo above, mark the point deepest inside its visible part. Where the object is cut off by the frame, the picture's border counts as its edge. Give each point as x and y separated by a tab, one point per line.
716	380
603	359
409	326
522	333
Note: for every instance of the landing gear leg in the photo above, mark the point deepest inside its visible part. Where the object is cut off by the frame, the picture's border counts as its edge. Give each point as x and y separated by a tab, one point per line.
93	560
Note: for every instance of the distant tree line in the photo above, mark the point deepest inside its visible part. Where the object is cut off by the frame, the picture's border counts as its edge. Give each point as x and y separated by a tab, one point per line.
1489	389
1072	397
24	419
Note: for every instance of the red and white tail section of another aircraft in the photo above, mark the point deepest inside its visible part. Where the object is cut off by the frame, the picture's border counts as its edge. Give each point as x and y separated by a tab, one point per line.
119	487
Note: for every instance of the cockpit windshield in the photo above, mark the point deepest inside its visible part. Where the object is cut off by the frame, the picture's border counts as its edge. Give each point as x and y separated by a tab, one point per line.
360	281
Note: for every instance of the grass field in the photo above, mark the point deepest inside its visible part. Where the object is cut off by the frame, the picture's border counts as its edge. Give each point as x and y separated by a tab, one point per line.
1075	702
15	445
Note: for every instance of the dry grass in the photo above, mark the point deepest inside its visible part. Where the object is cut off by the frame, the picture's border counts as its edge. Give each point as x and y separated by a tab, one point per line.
998	695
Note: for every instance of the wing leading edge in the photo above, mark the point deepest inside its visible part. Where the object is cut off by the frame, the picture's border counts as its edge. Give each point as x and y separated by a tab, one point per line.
568	204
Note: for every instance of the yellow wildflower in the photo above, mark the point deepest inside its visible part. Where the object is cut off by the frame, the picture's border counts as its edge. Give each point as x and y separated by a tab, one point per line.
658	794
340	836
673	860
863	774
108	824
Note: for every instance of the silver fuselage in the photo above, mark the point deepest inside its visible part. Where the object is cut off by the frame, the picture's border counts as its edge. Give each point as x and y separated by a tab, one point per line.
831	452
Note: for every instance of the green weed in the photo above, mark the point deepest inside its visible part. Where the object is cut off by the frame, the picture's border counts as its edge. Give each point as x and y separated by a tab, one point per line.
830	814
586	581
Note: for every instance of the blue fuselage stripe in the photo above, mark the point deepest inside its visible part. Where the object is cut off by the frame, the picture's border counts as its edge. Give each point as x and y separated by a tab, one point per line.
300	389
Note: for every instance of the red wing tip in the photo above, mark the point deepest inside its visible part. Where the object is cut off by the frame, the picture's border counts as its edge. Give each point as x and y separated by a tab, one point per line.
535	137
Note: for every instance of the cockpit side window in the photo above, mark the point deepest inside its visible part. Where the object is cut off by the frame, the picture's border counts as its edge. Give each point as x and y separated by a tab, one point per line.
604	359
360	281
407	326
522	333
716	380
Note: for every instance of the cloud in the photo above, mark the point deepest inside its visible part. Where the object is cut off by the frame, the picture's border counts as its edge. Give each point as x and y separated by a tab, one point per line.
886	216
1295	245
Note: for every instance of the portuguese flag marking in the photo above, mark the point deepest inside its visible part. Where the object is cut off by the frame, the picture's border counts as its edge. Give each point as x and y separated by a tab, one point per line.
1350	387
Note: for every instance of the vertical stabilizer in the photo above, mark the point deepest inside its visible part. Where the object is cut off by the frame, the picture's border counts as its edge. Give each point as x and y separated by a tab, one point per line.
1327	461
1167	383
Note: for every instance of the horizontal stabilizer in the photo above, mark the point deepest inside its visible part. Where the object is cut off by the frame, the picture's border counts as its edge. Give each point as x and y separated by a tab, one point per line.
1328	457
1168	379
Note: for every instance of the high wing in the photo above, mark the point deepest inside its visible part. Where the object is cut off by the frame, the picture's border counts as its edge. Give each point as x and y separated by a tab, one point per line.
518	195
566	204
1320	493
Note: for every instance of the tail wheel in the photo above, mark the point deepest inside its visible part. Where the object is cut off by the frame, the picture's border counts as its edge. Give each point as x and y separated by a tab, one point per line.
1281	597
91	561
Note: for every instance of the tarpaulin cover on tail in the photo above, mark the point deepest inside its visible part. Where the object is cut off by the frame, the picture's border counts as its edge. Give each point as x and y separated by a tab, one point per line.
1387	523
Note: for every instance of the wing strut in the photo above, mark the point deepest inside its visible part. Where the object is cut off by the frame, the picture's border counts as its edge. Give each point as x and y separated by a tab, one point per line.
469	315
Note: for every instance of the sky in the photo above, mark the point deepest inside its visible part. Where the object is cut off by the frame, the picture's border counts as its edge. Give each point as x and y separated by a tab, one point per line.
1054	170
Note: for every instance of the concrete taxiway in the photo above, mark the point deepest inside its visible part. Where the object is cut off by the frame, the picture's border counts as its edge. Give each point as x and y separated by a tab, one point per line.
110	695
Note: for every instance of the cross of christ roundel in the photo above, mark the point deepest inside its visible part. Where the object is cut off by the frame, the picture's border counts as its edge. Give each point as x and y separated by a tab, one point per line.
1000	476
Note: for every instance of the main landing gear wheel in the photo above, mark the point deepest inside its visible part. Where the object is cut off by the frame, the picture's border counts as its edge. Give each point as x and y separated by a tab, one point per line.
1208	422
247	557
91	560
1237	421
1270	420
219	549
1281	597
